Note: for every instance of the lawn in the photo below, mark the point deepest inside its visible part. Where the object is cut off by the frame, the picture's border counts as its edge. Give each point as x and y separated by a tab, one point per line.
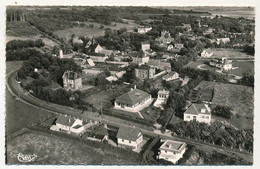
56	149
243	67
229	53
194	64
151	113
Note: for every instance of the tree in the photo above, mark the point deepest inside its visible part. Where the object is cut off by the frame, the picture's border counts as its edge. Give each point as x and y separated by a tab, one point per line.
223	111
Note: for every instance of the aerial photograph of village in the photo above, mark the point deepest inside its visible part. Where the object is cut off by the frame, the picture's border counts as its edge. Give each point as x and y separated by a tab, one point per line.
129	85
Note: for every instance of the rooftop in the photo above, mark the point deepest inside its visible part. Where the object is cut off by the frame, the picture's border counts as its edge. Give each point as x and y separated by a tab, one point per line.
174	146
128	133
163	92
132	97
65	120
197	109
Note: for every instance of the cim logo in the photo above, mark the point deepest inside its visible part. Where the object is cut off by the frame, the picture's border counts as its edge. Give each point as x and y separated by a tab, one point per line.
25	158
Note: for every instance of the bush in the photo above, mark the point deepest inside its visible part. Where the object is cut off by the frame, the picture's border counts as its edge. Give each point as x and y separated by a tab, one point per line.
222	111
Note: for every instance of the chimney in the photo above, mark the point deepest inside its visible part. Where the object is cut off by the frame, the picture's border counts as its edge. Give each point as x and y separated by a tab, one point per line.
69	120
61	54
135	87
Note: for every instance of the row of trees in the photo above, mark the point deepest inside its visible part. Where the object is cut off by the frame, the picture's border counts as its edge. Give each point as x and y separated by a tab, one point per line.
21	54
216	133
19	44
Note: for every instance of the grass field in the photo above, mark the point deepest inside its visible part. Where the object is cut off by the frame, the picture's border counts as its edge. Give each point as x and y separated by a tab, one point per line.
243	67
19	114
229	53
53	149
239	98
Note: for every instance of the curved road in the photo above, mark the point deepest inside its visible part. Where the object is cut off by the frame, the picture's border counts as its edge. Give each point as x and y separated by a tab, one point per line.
26	98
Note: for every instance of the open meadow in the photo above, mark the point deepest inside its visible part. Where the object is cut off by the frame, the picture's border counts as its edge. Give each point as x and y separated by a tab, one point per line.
53	149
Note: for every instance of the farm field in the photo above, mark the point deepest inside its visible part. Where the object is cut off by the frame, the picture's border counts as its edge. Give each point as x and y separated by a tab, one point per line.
20	28
54	149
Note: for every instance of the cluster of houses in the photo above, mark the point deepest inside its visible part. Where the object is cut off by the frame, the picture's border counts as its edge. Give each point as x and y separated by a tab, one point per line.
126	137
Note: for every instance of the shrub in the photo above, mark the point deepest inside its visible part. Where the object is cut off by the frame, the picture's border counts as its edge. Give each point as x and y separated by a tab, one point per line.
222	111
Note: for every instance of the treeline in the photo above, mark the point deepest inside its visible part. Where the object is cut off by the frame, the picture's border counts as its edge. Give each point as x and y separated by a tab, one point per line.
215	133
20	44
21	54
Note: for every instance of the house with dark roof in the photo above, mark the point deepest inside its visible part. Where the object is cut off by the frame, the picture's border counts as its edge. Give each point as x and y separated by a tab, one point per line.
198	112
171	76
140	59
172	151
129	137
144	72
158	64
133	101
71	80
71	125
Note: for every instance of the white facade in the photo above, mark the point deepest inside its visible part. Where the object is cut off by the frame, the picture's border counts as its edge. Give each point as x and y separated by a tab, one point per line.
172	153
71	129
98	49
134	108
206	118
129	143
145	46
143	29
205	54
198	112
170	77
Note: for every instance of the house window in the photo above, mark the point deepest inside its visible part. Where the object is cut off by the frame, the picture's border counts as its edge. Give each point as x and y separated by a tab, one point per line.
187	117
207	117
202	117
122	140
194	117
165	151
129	141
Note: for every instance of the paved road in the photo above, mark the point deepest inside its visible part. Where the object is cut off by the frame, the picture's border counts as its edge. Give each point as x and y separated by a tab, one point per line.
17	91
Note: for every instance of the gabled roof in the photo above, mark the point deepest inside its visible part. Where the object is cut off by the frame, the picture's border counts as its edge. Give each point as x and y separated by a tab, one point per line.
170	74
207	50
163	92
128	133
65	120
196	109
71	75
132	97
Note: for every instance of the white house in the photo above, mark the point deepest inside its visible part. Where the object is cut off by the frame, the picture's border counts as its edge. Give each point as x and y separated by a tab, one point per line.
71	125
145	46
172	151
222	63
143	29
162	97
224	40
206	53
133	101
198	112
171	76
129	137
72	80
170	47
